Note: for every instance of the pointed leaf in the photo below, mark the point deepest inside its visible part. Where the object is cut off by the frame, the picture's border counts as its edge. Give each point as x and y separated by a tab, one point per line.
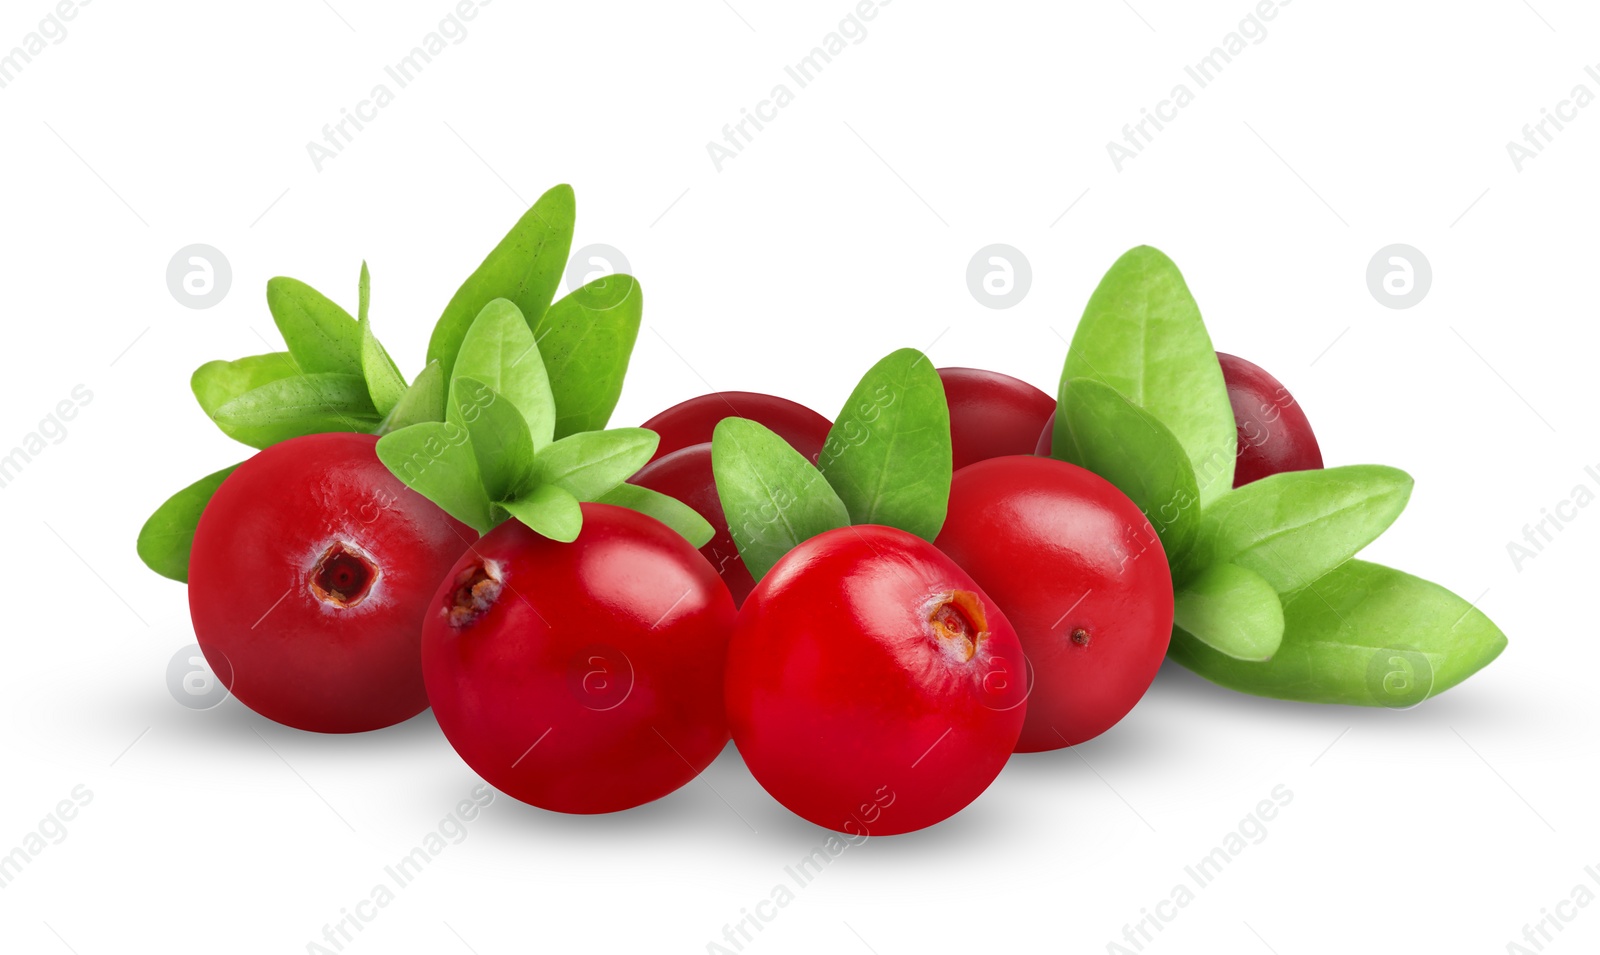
423	401
1233	611
664	508
587	339
385	384
292	407
550	511
218	382
888	453
435	459
589	464
499	436
168	535
772	496
499	351
321	336
1142	335
526	267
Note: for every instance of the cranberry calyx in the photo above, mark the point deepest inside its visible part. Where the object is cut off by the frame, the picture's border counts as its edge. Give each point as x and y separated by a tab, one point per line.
957	621
344	575
477	588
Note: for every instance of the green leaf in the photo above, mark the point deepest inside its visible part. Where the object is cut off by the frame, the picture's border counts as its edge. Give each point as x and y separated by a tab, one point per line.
434	458
218	382
1292	528
291	407
888	453
588	464
668	510
1099	429
550	511
772	496
384	382
1365	635
587	338
321	336
1141	333
526	267
166	538
499	436
1232	611
423	401
499	351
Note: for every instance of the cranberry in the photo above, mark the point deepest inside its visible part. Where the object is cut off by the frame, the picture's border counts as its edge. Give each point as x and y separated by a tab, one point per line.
991	414
872	687
686	475
582	677
1079	572
1274	435
693	421
311	570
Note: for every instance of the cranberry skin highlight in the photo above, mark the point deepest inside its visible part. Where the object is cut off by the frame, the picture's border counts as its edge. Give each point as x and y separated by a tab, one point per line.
1080	573
311	570
992	415
1274	434
686	475
872	687
693	421
582	677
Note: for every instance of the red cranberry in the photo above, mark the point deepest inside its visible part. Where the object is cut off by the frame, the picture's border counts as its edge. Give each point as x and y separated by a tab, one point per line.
582	677
1274	435
1079	572
872	687
693	421
991	414
686	475
311	569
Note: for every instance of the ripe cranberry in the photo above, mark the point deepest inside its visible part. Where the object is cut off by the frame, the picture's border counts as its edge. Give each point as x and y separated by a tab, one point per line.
582	677
1079	572
1274	435
991	414
872	687
686	475
311	569
693	421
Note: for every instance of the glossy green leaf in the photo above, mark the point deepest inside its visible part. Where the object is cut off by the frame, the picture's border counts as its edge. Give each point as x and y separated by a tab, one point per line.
1142	334
668	510
589	464
218	382
435	459
1232	611
888	453
1101	430
550	511
166	538
384	382
587	339
423	401
1365	635
526	268
321	336
499	351
1292	528
499	436
301	405
772	496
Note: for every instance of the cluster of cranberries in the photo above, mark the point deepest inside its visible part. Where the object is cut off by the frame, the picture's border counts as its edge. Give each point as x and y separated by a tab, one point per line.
873	682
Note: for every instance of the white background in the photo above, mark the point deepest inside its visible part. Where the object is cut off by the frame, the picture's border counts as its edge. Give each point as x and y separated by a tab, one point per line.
842	232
